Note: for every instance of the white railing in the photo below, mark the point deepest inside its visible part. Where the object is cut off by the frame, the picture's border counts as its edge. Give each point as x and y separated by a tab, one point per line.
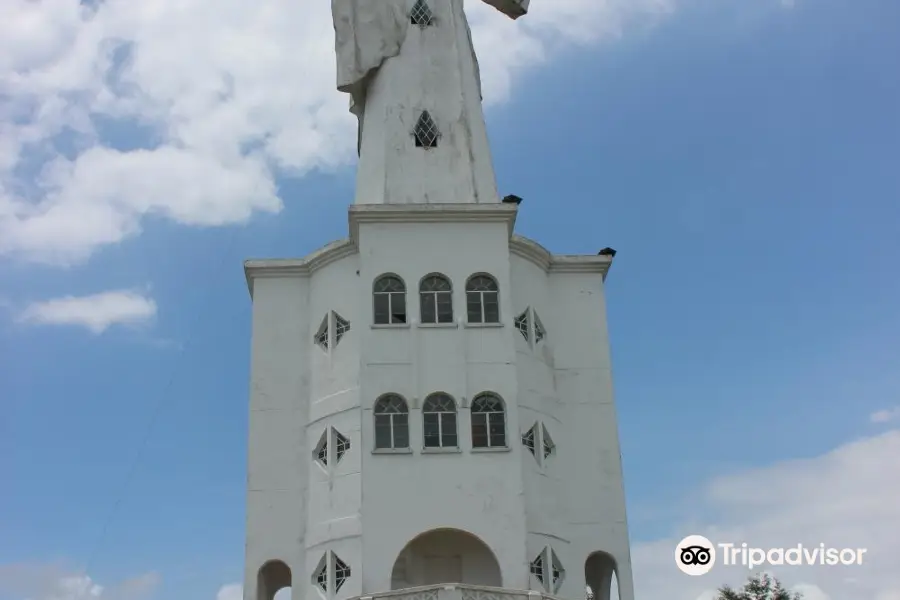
456	591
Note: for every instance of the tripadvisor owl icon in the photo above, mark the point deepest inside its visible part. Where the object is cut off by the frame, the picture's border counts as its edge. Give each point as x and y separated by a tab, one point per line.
695	555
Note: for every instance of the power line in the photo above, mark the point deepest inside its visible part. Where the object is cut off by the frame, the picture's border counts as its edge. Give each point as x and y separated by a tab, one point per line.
148	434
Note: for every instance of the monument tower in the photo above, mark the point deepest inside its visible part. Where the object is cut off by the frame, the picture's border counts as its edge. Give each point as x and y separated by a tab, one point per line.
431	408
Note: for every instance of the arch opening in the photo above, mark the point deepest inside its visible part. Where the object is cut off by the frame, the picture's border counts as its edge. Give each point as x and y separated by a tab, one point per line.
445	556
273	580
600	576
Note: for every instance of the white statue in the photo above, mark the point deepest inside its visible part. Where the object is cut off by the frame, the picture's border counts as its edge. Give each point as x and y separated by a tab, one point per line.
370	32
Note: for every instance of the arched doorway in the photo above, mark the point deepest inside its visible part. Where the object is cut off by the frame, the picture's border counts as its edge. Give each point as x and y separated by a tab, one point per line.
273	578
445	556
600	574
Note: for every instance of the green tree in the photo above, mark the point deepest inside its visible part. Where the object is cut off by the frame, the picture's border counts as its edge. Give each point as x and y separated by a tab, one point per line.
758	587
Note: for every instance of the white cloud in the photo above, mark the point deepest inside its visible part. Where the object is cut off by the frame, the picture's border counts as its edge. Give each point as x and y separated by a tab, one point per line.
54	582
231	92
97	312
885	416
848	498
232	591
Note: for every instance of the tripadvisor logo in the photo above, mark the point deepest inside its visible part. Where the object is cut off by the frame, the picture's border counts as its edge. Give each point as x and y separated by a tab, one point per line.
696	555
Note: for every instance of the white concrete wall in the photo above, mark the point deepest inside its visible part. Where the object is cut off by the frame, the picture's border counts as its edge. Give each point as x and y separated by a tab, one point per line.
278	465
436	71
369	506
539	403
335	492
478	492
584	384
575	500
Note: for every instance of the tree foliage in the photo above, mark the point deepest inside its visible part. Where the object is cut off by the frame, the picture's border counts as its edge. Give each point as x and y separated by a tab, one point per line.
758	587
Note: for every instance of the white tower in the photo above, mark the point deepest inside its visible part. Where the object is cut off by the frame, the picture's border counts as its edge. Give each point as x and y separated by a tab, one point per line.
431	408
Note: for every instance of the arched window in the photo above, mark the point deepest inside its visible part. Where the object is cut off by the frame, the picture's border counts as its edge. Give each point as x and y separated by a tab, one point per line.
389	294
436	299
439	421
391	423
488	421
482	299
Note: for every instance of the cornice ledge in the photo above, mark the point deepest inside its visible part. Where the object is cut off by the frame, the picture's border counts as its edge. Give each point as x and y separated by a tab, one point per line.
430	213
577	263
302	267
330	253
559	263
530	250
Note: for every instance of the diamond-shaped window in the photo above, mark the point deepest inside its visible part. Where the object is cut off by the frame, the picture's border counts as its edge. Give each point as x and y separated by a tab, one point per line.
557	572
426	132
341	572
331	321
341	326
320	575
537	567
548	570
338	575
341	445
547	442
320	453
421	14
321	337
521	323
528	439
539	332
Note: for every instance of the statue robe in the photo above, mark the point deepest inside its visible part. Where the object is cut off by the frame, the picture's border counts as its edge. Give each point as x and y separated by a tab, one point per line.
367	32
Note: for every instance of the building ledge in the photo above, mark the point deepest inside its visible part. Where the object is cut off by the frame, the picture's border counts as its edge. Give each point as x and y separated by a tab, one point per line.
468	325
442	450
393	451
431	213
559	263
457	591
426	213
280	267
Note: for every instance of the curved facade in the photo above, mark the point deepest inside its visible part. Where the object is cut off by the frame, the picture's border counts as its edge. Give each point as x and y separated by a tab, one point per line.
430	403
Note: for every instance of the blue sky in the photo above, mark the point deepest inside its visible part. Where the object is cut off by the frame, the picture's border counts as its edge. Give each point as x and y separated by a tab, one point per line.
742	157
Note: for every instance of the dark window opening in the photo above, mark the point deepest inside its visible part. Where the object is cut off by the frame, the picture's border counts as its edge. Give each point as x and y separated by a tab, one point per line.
426	132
